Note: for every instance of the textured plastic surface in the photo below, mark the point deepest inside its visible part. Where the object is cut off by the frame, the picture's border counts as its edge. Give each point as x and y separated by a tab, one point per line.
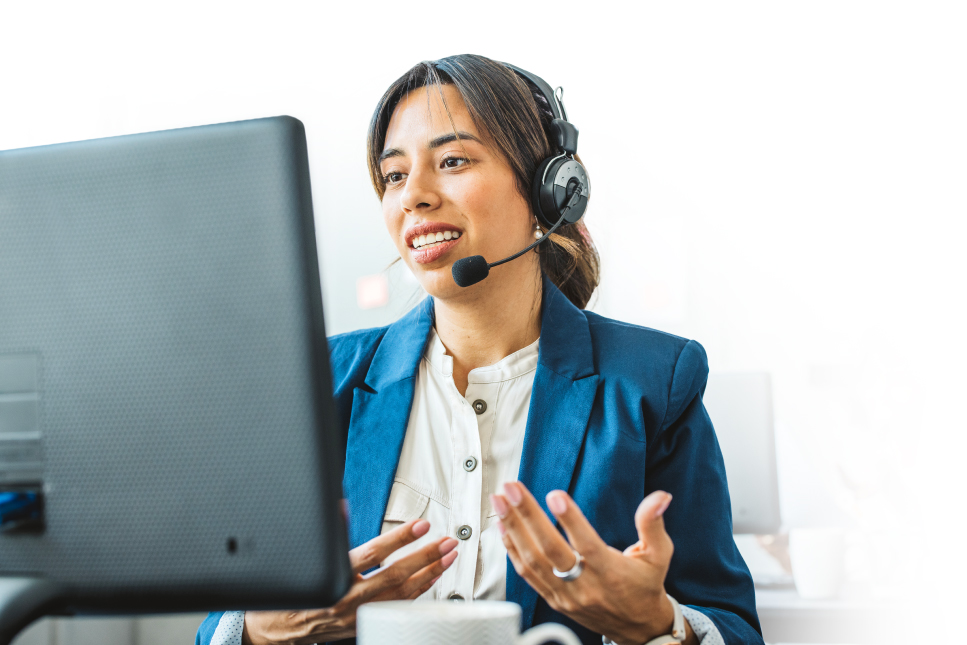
166	287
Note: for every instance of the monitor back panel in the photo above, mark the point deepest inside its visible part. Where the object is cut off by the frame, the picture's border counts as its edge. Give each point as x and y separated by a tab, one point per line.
740	406
163	371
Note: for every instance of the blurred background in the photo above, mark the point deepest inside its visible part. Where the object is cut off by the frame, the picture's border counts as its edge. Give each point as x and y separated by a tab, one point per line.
783	182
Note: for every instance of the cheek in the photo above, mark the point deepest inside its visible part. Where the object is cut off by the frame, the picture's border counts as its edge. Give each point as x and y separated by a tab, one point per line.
500	204
393	219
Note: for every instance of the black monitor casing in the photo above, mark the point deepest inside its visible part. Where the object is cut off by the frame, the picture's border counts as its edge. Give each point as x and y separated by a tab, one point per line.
164	376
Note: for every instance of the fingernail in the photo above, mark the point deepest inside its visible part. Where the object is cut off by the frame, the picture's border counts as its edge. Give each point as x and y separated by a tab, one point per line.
499	505
449	558
435	580
500	527
664	506
420	528
448	545
556	502
513	494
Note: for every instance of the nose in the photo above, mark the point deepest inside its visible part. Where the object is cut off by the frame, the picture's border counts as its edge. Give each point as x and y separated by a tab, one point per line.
420	193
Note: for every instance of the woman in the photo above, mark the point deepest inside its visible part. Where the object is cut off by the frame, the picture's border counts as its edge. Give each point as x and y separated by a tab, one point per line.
444	410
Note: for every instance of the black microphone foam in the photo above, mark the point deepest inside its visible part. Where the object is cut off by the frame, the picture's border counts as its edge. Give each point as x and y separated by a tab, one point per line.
470	270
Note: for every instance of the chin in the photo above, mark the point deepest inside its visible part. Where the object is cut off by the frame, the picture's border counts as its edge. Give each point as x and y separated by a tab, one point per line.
437	282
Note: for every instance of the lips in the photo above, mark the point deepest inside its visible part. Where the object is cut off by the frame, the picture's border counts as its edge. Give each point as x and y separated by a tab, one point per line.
433	253
430	241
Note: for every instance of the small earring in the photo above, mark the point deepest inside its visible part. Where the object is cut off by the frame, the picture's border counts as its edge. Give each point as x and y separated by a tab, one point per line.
538	233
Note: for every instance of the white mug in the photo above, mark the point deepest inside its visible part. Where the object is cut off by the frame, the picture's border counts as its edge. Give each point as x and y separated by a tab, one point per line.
423	622
818	564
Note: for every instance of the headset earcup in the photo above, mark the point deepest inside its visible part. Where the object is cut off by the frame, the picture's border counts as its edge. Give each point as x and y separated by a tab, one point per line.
550	196
536	195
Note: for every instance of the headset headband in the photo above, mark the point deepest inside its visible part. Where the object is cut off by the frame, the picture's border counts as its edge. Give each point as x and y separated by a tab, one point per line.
553	100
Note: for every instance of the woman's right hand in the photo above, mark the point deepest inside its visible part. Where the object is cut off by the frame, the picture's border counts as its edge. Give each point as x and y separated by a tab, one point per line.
406	578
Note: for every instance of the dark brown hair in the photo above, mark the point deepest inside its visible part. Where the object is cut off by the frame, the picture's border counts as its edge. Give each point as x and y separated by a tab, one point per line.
517	119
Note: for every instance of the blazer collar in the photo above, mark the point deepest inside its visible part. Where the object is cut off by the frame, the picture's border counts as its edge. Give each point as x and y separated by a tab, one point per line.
401	348
565	387
565	347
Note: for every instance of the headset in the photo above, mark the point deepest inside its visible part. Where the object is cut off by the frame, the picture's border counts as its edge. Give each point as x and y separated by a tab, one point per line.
557	176
560	188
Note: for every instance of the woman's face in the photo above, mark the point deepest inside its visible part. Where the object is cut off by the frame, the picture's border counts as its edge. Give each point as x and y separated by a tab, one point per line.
461	192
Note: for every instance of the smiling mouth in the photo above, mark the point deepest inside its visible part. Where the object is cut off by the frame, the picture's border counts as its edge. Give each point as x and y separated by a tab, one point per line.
431	240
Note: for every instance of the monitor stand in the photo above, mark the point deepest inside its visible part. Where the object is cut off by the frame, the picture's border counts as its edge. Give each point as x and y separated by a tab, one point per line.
24	600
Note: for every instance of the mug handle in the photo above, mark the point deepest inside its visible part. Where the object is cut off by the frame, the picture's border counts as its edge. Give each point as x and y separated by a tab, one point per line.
548	632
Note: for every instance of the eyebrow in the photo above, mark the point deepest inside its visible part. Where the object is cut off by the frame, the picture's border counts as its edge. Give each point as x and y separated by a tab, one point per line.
442	140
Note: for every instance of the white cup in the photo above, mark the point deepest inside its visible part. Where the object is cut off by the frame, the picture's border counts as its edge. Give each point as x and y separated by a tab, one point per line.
818	564
483	622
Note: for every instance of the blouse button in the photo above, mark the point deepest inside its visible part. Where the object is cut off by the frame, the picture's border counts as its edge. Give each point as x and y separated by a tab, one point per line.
455	597
464	532
479	406
469	464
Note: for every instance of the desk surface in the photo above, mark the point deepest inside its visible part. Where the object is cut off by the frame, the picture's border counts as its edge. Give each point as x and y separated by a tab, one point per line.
852	618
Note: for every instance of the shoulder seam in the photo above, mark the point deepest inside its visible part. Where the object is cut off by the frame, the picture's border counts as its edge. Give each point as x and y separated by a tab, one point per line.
598	320
671	386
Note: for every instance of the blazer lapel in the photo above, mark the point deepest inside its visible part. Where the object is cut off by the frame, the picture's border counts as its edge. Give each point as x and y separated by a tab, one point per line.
563	394
379	418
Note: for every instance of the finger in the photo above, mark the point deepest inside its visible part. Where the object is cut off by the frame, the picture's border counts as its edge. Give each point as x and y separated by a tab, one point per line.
420	581
525	514
525	571
532	559
397	573
653	539
416	594
369	555
579	531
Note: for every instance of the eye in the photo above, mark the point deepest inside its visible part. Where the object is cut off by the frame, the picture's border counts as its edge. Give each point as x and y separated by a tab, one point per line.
393	178
453	162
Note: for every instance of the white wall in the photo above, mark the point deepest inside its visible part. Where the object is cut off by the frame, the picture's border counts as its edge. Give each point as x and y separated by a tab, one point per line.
782	181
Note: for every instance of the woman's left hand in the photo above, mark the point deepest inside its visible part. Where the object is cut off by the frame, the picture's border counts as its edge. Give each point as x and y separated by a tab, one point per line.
618	594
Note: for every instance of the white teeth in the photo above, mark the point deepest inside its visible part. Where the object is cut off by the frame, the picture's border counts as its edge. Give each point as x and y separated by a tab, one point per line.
434	238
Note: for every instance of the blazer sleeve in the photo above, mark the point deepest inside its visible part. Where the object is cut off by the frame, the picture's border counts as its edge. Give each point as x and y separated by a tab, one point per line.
707	572
207	628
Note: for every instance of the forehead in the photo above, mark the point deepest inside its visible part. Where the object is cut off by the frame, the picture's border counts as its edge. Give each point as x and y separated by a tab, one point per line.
421	116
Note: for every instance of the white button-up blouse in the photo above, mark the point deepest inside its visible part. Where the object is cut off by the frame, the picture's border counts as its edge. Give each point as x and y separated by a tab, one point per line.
456	452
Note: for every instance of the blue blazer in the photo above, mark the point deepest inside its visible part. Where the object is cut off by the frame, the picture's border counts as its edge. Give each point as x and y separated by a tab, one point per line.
616	412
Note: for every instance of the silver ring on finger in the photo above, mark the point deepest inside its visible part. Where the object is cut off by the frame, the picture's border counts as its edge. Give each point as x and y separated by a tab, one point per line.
574	572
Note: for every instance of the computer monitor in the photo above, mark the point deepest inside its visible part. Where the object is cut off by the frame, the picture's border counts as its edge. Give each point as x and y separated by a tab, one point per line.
167	429
740	406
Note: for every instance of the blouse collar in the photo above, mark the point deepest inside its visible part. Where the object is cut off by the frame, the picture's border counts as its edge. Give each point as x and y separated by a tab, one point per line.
510	367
